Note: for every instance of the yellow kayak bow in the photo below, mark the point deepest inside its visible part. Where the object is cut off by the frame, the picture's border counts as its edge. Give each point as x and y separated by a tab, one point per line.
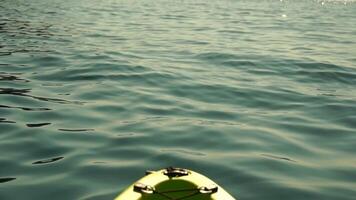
174	184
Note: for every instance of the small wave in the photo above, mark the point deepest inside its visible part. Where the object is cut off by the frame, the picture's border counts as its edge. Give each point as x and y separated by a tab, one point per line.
76	130
335	1
183	151
327	76
6	179
38	124
11	77
324	72
278	157
46	161
24	93
25	108
3	120
316	65
214	56
239	63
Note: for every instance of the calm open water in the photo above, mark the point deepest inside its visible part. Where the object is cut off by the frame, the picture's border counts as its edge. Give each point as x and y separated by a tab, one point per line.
258	95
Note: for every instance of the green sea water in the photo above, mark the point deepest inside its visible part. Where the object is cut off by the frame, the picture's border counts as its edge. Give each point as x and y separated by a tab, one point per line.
258	95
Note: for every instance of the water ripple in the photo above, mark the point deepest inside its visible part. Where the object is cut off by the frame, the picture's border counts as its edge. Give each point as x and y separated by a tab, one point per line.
3	120
24	93
46	161
25	108
75	130
4	180
38	124
278	157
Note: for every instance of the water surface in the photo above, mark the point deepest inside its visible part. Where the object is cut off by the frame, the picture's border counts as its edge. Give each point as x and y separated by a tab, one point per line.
259	95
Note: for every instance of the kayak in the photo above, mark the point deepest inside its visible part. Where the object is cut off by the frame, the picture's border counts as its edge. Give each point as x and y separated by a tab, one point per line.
174	184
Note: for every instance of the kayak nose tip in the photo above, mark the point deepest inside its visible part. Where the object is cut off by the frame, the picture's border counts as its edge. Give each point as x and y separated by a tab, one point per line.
175	172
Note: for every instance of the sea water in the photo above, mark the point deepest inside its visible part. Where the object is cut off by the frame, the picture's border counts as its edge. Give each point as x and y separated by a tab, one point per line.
258	95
